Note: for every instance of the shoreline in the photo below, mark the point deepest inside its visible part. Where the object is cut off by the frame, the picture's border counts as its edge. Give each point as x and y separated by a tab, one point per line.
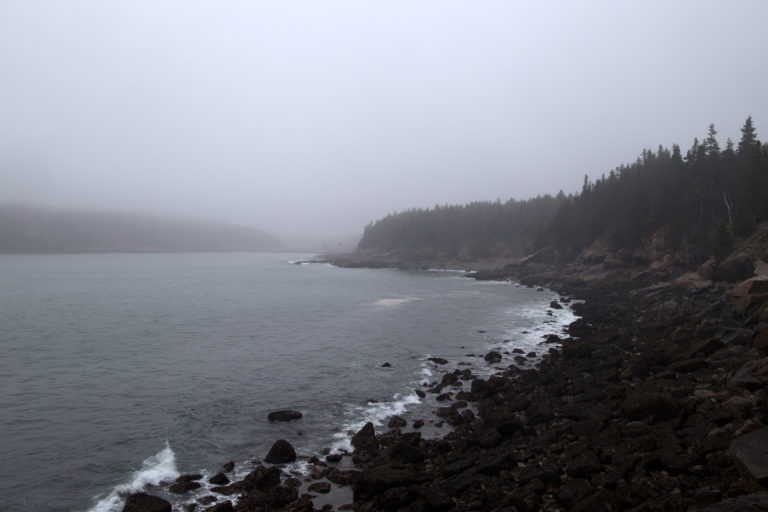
641	408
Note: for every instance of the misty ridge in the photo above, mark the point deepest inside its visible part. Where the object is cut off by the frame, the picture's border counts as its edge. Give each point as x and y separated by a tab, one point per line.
27	229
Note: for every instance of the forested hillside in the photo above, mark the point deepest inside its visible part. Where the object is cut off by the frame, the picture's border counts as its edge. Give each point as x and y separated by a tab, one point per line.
702	200
475	230
37	230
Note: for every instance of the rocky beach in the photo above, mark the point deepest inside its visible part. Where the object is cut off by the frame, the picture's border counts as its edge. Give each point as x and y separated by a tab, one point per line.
653	401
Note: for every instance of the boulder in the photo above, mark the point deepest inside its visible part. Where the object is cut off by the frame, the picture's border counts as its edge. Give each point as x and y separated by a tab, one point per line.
365	440
757	502
750	452
396	422
555	305
320	487
492	357
735	268
284	415
281	452
224	506
142	502
750	294
219	479
438	360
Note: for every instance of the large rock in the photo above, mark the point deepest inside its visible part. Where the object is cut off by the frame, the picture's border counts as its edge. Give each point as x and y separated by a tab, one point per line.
493	357
284	416
737	267
281	452
750	452
757	502
224	506
750	295
365	440
142	502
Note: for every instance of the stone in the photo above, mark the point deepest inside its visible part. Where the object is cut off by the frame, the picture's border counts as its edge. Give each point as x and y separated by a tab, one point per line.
224	506
750	452
333	457
386	365
757	502
555	305
735	268
143	502
365	440
281	452
438	360
219	479
492	357
320	487
396	422
284	416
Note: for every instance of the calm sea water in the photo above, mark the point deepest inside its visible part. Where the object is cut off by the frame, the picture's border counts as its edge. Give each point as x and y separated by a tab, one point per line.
118	371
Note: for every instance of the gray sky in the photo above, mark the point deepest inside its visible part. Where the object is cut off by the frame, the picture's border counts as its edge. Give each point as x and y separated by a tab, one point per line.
316	117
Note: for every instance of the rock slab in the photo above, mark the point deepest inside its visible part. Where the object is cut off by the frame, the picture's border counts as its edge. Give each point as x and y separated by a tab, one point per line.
751	454
284	416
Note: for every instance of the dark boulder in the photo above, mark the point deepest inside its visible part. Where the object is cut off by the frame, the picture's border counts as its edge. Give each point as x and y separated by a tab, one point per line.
219	479
320	487
142	502
492	357
555	305
386	365
224	506
438	360
751	454
397	422
333	457
281	452
365	440
736	268
185	483
284	415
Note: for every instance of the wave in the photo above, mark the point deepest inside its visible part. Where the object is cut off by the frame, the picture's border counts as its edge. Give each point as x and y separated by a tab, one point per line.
158	468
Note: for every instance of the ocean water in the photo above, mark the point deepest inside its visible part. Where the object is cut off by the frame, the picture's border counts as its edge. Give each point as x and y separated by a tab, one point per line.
120	371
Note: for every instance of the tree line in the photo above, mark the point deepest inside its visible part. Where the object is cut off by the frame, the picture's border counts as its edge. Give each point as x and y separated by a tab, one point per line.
702	200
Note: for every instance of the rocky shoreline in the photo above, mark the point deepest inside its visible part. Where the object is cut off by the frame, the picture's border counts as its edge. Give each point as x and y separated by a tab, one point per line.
656	401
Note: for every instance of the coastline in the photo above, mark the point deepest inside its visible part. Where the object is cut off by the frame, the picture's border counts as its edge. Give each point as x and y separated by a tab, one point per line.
648	405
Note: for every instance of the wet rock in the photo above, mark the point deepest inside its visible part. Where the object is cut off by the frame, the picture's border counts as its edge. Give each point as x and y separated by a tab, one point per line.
365	440
281	452
340	477
555	305
386	365
419	393
333	457
142	502
438	360
224	506
284	415
185	483
219	479
229	466
492	357
751	454
396	422
320	487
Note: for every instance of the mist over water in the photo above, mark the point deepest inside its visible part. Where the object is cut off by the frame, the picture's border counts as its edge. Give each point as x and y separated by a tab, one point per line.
120	370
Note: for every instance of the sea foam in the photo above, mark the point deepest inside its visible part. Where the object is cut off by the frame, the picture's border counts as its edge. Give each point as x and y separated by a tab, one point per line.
154	470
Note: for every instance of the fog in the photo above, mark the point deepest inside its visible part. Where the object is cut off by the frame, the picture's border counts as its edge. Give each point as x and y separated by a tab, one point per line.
309	119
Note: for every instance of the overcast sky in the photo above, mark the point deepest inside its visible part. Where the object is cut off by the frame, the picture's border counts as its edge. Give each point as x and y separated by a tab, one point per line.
319	116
